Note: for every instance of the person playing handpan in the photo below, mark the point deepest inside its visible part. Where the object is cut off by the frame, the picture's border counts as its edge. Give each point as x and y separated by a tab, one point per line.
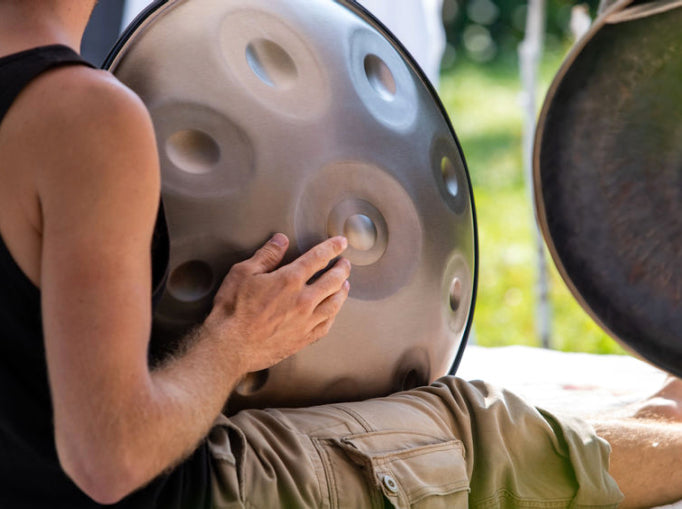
84	419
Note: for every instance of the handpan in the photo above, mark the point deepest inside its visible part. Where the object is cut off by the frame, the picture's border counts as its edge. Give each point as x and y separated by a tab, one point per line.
309	118
608	176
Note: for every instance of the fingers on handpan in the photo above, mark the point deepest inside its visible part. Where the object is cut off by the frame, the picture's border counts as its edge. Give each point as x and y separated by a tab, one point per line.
319	256
332	280
329	307
268	257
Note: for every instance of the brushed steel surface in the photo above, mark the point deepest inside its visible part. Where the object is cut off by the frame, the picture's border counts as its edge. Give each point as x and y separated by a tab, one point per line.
305	117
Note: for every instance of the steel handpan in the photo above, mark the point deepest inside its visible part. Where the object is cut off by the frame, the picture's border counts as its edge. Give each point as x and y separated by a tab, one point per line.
307	117
608	176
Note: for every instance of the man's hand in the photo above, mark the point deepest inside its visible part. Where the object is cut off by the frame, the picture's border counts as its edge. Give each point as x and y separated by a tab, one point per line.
265	315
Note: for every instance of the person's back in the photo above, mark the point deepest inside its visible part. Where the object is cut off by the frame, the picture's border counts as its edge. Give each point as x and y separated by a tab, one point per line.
37	86
42	87
25	414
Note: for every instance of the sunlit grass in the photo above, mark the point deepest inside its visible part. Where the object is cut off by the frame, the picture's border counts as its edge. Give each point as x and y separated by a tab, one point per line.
483	103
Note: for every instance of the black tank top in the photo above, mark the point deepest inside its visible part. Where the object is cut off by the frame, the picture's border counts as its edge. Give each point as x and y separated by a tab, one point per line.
30	474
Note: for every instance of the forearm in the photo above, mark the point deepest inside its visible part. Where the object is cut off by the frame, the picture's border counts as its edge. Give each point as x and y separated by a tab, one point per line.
146	426
645	460
190	390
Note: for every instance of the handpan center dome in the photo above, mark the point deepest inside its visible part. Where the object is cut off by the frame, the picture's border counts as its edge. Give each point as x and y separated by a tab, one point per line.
360	232
306	117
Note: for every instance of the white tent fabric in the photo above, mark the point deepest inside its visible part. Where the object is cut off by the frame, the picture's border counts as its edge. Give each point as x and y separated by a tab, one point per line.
577	383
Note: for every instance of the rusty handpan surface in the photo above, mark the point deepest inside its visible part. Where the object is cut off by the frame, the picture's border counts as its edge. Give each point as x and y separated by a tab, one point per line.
608	176
307	117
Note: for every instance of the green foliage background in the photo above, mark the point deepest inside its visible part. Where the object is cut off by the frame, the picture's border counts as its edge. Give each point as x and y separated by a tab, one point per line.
467	22
482	99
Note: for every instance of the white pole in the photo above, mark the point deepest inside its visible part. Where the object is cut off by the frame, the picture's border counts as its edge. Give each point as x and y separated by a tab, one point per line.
530	51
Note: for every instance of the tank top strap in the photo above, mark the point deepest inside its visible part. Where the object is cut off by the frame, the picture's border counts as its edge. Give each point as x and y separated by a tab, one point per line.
18	69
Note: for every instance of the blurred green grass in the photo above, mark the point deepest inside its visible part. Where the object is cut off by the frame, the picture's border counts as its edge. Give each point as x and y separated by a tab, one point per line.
484	106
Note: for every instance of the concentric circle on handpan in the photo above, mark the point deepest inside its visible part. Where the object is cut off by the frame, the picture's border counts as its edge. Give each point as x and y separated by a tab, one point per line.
457	287
274	63
450	174
203	152
382	80
346	189
608	177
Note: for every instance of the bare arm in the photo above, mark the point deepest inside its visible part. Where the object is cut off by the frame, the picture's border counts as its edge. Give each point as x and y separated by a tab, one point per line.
647	447
646	460
118	425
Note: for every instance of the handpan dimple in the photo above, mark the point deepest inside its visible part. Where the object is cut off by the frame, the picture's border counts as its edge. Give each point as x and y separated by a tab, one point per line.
202	151
252	382
275	64
457	288
191	281
456	293
193	151
344	189
380	77
449	176
271	63
382	80
305	117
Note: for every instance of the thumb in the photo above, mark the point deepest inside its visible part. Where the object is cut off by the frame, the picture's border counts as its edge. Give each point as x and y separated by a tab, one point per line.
268	257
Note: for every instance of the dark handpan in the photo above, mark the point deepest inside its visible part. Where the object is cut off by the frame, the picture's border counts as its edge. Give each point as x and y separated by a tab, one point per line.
608	176
307	117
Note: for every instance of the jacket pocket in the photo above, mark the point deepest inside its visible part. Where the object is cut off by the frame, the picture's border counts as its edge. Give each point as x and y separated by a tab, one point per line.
409	469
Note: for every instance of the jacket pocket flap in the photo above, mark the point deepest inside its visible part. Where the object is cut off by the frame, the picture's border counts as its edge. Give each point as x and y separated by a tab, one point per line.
408	467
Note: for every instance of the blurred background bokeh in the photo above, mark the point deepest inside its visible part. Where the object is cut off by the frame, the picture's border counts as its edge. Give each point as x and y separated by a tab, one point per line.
481	88
489	31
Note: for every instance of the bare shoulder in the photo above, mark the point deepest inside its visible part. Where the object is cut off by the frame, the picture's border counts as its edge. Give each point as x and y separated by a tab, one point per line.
83	103
89	143
82	93
83	128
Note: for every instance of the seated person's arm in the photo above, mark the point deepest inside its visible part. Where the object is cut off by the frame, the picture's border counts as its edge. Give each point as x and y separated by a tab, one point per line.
118	425
645	459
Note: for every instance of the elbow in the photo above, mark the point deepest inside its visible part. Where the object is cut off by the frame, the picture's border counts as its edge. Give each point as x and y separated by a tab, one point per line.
104	477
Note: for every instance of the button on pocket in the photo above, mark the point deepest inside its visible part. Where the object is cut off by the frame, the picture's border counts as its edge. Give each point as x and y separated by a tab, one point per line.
409	469
390	484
